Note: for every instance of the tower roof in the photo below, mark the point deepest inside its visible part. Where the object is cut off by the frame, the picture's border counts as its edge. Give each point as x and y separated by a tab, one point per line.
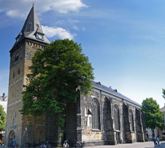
32	28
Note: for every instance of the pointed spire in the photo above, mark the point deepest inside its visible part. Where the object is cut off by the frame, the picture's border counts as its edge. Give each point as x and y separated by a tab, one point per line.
32	28
32	23
33	3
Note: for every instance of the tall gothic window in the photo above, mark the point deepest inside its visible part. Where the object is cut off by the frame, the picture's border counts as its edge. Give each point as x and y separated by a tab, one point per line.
88	116
107	120
95	114
116	117
131	120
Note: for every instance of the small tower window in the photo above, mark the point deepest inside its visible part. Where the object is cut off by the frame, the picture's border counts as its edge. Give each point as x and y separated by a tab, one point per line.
13	74
16	57
19	71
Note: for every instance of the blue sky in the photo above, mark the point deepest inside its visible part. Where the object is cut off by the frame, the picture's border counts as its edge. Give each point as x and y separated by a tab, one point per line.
124	40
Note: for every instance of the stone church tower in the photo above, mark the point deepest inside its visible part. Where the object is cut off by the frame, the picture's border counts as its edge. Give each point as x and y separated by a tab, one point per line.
104	116
27	42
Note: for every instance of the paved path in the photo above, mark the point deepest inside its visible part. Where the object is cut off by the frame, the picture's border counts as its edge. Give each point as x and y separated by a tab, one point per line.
134	145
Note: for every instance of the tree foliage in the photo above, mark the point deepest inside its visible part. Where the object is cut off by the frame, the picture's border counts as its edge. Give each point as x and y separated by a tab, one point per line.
57	72
152	116
2	118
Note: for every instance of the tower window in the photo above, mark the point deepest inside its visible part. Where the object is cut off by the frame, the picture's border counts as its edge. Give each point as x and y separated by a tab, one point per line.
13	74
19	71
16	57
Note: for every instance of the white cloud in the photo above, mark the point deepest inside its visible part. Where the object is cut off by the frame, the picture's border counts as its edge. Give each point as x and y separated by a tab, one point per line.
59	32
4	77
4	80
19	7
61	6
14	13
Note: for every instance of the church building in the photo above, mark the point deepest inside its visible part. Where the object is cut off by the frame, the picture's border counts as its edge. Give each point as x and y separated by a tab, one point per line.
103	117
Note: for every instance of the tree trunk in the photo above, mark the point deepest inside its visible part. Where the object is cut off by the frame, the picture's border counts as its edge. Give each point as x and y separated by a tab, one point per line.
153	134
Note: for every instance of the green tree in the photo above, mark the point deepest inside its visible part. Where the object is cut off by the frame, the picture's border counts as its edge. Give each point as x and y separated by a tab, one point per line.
152	115
57	72
2	118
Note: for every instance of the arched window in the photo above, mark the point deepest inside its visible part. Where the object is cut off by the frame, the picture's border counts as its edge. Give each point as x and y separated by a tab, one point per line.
107	117
95	114
88	116
131	120
116	118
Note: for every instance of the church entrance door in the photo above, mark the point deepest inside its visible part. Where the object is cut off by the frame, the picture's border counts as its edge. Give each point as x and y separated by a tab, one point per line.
118	138
11	136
